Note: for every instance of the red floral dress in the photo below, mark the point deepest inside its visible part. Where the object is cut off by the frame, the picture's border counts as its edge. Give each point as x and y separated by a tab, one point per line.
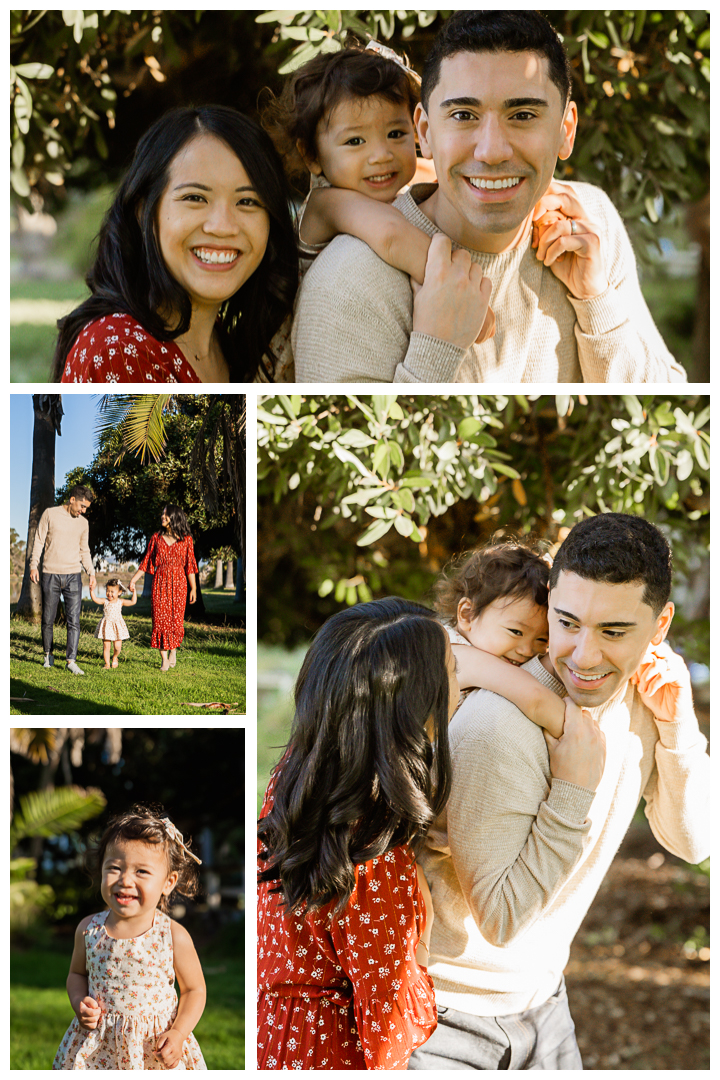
170	564
345	992
133	982
116	349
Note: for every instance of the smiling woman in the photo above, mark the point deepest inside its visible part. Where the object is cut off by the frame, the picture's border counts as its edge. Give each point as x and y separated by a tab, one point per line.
196	266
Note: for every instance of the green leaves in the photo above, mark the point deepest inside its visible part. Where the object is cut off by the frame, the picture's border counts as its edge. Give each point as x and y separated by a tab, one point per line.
56	811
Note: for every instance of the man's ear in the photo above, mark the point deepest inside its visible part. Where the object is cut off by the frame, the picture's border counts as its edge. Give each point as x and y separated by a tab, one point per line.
311	163
423	129
569	129
663	623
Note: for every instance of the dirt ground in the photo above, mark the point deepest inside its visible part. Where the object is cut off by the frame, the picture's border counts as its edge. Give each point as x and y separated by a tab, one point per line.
639	971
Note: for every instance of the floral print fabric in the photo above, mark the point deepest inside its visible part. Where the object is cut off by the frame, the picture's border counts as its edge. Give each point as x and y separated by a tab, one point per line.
170	564
112	625
345	992
133	981
117	349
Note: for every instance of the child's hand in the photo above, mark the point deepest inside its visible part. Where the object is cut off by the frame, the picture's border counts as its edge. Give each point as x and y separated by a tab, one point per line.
169	1048
133	587
663	681
488	328
88	1014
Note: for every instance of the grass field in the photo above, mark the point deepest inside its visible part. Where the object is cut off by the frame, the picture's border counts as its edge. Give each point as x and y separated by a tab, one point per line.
277	671
210	668
40	1011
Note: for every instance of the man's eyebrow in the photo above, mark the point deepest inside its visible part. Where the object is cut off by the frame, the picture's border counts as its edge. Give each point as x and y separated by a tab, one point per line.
510	103
601	625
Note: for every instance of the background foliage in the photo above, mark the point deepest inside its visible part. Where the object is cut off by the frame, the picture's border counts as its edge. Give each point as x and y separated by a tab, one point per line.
364	496
84	84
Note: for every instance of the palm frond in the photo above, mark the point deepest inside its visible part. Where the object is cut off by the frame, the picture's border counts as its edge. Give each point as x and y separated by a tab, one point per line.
140	420
55	811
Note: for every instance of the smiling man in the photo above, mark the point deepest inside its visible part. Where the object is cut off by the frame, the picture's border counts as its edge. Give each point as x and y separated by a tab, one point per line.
530	829
553	259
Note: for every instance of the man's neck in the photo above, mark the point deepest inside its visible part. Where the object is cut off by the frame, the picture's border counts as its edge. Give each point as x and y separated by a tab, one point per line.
489	243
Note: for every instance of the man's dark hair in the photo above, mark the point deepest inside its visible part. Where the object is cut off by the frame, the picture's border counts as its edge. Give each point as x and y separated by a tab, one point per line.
619	549
498	31
80	492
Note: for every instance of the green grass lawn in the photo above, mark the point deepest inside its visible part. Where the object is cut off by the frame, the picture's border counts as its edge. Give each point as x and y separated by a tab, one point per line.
32	343
40	1011
277	671
210	667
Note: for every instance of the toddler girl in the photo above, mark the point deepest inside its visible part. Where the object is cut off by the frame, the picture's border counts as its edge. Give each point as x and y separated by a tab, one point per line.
495	605
126	959
112	628
347	117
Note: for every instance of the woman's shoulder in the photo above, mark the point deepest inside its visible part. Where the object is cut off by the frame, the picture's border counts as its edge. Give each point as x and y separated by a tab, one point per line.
117	348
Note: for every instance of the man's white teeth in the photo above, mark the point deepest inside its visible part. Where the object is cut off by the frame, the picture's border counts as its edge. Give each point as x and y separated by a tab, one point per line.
589	678
207	255
494	185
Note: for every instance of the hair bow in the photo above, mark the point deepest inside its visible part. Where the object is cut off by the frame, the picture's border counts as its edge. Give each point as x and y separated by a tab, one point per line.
389	54
175	834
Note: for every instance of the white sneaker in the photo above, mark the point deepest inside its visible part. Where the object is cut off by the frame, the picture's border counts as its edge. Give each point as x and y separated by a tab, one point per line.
49	660
72	666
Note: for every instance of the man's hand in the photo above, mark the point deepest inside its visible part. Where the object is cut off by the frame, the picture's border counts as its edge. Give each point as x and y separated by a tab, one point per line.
169	1048
35	575
663	682
89	1013
578	756
453	302
578	259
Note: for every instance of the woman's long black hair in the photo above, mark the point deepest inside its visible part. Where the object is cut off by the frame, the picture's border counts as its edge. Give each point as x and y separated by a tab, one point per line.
178	521
360	774
129	274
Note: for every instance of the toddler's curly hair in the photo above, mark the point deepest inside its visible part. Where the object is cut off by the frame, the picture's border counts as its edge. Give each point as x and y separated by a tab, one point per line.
144	823
506	569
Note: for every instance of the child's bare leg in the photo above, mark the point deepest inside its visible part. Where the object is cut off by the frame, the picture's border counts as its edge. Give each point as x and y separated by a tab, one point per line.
106	653
117	648
165	661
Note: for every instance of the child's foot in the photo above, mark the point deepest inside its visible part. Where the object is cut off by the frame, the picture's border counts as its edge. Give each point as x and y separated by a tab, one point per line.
115	661
106	667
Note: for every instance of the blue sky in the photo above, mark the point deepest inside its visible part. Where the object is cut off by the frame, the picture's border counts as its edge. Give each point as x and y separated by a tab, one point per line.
76	446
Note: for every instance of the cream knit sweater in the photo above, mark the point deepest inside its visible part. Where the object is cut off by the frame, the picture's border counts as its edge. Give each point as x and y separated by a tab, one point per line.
65	539
353	320
516	858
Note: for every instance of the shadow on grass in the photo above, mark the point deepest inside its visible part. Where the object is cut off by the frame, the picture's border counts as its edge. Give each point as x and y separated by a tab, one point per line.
52	702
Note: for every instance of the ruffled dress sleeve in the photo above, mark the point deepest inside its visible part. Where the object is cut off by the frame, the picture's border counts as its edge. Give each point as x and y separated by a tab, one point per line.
375	939
148	562
191	566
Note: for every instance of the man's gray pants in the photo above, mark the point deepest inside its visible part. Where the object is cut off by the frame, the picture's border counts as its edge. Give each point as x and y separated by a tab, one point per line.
540	1038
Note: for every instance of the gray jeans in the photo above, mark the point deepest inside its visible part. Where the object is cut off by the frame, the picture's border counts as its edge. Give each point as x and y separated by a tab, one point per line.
69	586
540	1038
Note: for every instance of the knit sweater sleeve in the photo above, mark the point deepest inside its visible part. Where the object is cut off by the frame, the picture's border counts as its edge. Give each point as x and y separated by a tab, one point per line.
85	556
515	832
616	336
353	323
677	795
40	537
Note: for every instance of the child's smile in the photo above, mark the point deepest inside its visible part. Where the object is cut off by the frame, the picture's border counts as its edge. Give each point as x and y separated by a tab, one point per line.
135	876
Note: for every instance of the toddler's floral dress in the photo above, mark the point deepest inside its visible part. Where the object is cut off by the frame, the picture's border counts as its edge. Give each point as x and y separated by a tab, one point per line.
112	625
133	981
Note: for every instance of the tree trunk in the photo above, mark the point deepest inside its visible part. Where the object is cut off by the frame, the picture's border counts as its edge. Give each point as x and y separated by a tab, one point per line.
219	574
229	583
48	410
240	586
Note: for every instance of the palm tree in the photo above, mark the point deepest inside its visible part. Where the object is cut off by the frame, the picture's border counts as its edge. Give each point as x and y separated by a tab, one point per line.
48	415
218	451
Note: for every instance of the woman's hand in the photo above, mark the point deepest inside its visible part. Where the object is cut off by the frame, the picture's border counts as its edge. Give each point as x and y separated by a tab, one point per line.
193	594
568	244
423	945
88	1014
169	1048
